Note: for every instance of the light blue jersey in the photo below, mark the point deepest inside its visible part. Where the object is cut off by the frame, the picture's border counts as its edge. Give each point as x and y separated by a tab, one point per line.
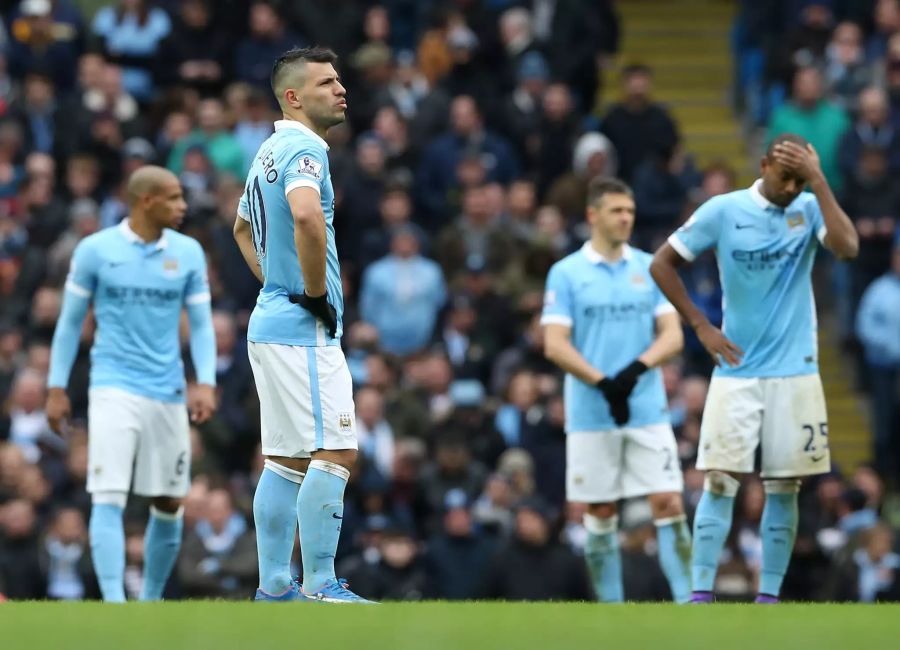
291	157
612	310
138	291
765	256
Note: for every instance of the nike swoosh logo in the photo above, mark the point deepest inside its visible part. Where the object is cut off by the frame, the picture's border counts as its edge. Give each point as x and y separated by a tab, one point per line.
741	226
335	515
113	265
702	526
775	529
816	459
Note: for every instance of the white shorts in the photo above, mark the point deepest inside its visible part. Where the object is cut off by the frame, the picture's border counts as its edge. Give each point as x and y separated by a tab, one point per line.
135	437
605	466
305	399
785	414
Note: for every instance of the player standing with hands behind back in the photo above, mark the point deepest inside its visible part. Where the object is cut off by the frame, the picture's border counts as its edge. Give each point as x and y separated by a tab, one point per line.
766	387
138	276
285	231
609	327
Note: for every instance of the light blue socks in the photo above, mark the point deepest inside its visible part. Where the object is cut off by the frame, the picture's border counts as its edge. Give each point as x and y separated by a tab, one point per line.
107	536
162	541
778	529
603	558
275	516
674	539
320	509
712	523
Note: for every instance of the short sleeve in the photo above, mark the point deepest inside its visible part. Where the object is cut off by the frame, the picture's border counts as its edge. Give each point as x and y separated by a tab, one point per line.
699	233
306	169
197	289
243	210
558	303
817	221
83	269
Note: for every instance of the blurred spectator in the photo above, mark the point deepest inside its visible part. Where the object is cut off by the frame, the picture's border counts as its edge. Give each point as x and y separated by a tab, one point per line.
522	108
557	132
637	126
594	156
212	137
395	571
811	116
662	184
871	573
65	558
846	70
401	295
887	22
37	111
563	575
40	43
20	565
878	328
24	422
376	438
196	53
130	35
872	129
268	39
218	559
437	173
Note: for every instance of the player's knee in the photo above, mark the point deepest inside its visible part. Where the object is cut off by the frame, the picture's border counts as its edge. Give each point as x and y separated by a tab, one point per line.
296	466
168	505
346	458
602	510
782	485
110	498
721	483
666	504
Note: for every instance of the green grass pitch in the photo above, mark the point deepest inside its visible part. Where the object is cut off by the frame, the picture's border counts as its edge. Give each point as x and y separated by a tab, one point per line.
199	625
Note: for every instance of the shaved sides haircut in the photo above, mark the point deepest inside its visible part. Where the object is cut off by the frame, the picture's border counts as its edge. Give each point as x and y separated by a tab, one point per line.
289	66
147	180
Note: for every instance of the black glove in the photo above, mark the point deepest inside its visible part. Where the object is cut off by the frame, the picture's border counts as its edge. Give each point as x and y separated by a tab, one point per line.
617	400
627	378
318	307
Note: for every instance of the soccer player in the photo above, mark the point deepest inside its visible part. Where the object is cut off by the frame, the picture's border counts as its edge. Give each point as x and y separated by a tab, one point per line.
285	231
609	327
138	277
766	388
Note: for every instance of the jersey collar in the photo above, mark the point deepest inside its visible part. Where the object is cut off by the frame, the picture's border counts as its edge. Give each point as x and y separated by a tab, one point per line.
758	198
596	258
299	126
125	228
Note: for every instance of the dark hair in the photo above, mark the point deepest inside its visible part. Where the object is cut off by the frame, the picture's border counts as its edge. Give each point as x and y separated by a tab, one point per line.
314	54
636	68
785	137
143	13
600	187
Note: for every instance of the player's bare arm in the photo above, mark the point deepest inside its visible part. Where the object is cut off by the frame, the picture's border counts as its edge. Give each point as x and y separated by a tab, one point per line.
558	348
201	402
58	408
664	270
309	237
669	341
244	238
842	238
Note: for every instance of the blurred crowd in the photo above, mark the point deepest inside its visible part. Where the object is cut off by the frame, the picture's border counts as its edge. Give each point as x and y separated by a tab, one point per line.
474	127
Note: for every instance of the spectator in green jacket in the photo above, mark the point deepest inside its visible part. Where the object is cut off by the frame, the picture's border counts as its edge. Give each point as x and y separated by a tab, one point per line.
223	149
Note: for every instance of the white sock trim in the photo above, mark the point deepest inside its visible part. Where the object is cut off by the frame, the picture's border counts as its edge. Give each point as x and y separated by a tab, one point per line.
721	483
110	498
782	486
291	475
331	468
666	521
167	516
599	526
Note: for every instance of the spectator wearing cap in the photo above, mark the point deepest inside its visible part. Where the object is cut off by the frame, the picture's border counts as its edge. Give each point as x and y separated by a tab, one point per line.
402	294
221	147
130	35
522	106
637	126
878	328
196	54
458	553
39	42
593	156
268	39
815	118
437	172
533	565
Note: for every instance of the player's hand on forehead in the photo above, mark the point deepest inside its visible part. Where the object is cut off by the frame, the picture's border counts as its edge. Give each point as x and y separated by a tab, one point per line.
796	158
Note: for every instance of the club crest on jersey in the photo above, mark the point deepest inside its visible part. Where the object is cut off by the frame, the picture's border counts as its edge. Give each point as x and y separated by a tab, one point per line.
170	266
345	422
310	167
795	220
638	280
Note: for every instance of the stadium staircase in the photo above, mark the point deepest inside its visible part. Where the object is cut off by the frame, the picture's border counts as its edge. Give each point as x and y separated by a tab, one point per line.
686	42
